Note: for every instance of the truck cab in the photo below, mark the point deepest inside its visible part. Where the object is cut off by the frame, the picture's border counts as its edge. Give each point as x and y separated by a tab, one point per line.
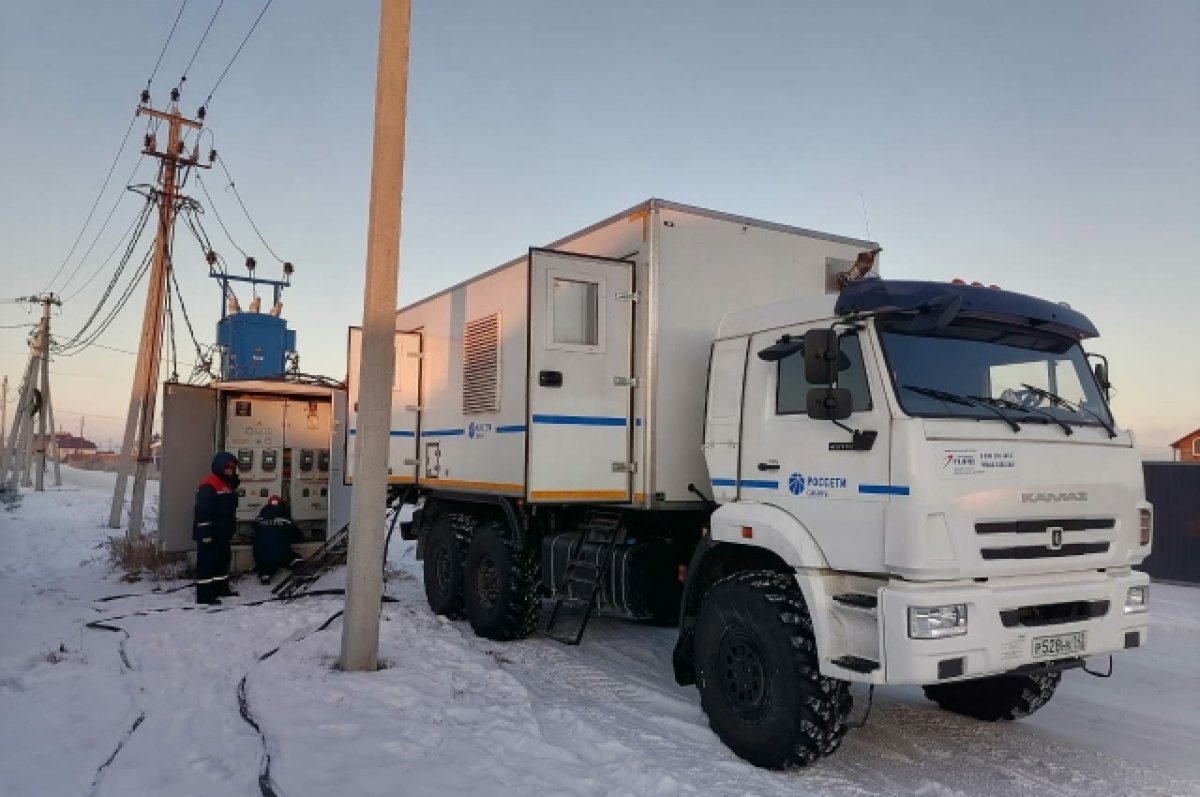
937	468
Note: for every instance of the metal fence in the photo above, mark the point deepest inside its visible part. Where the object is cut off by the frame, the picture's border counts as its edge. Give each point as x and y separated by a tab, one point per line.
1174	489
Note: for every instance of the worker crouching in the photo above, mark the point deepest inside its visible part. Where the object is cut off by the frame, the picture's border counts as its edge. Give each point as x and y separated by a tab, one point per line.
274	533
213	525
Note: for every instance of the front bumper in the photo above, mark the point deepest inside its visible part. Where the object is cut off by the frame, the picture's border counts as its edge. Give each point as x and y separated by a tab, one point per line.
989	646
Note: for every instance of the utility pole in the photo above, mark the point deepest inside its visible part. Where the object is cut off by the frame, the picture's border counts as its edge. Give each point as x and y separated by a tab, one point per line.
139	424
25	455
4	409
364	588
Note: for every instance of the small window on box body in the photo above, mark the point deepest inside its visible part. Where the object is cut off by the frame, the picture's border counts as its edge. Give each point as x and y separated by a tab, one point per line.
576	312
1196	447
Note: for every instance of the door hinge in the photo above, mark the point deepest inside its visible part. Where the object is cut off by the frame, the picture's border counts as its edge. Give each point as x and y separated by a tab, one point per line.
626	296
412	462
413	408
624	467
625	381
416	355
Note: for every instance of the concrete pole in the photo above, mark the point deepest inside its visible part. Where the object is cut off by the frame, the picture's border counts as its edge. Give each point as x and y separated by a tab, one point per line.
364	588
13	450
4	408
56	456
143	398
39	459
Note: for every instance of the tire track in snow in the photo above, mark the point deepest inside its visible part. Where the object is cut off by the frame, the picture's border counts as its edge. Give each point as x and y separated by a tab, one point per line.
588	692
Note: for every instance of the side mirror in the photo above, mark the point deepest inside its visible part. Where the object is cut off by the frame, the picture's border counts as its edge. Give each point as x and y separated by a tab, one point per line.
1101	371
821	355
781	349
829	403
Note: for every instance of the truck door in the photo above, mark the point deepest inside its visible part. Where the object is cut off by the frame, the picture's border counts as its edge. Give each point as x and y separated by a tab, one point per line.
406	392
807	466
580	379
723	417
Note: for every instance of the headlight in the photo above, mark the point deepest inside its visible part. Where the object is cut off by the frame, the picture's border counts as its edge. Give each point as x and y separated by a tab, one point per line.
1146	523
935	622
1137	599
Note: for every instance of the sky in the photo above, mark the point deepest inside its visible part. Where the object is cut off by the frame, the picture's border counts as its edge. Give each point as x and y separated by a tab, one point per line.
1052	148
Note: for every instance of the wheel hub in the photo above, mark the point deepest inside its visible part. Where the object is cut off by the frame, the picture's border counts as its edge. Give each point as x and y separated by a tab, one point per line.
741	673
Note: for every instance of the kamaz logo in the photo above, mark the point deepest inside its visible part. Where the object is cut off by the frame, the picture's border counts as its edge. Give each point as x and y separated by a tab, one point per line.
1053	498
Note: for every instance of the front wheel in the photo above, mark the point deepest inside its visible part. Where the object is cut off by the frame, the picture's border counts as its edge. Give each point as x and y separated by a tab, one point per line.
758	674
1000	697
501	586
444	555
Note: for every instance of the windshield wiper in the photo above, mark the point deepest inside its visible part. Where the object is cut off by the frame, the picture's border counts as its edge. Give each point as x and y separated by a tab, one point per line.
1058	400
966	401
1012	405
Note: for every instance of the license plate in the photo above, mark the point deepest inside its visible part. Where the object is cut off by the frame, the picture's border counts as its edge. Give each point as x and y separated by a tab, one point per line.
1050	647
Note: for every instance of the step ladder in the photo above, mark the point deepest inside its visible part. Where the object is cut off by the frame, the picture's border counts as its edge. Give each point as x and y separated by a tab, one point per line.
580	585
327	557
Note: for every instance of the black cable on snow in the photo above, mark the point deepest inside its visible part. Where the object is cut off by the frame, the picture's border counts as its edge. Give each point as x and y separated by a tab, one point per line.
264	769
138	720
141	717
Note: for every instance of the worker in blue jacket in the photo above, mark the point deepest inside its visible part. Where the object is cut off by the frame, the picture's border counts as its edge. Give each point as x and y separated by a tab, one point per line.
274	533
213	525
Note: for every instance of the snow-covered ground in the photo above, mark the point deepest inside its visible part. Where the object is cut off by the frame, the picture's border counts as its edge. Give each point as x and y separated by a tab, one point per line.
453	714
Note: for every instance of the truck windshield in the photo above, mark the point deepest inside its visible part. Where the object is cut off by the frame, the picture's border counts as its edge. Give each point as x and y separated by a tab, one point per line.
991	362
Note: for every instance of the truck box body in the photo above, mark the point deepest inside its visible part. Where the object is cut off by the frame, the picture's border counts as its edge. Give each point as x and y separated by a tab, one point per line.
576	373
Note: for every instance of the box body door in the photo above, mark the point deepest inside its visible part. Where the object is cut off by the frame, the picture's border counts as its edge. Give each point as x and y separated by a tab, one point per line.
580	379
406	400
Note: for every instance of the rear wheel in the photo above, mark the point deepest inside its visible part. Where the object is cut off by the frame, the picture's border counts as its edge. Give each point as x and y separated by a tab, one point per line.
501	588
1001	697
444	557
758	675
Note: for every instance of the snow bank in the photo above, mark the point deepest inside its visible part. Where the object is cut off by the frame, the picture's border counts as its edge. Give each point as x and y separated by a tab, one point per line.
454	714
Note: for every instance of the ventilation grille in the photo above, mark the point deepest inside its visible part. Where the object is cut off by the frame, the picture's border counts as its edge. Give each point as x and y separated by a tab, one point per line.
481	365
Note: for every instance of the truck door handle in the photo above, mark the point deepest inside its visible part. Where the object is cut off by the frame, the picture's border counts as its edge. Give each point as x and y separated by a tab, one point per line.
768	465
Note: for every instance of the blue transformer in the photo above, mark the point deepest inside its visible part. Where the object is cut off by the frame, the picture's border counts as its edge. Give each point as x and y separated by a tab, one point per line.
255	345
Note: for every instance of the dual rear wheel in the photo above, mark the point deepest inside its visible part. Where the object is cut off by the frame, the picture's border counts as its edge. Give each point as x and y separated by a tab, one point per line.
488	579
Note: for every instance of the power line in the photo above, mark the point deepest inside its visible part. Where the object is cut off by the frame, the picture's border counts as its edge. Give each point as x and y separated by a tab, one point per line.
139	222
107	219
95	204
235	56
196	52
249	218
164	47
213	207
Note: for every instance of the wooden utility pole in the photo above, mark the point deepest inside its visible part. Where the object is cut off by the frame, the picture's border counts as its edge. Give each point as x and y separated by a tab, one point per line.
24	456
143	398
364	588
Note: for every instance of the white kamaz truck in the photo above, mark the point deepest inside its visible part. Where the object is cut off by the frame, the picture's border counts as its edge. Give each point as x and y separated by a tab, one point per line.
824	477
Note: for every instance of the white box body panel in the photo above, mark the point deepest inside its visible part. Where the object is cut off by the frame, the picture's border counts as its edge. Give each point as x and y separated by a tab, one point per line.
691	267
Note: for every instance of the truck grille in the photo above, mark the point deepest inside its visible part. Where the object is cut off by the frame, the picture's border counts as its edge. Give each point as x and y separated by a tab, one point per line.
1040	526
1053	613
1044	551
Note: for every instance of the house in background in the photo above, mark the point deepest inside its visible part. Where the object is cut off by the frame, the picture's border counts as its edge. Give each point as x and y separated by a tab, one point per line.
1187	448
66	446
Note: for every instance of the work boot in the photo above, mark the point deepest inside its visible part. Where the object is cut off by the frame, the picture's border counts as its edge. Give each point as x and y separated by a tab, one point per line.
222	590
205	596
